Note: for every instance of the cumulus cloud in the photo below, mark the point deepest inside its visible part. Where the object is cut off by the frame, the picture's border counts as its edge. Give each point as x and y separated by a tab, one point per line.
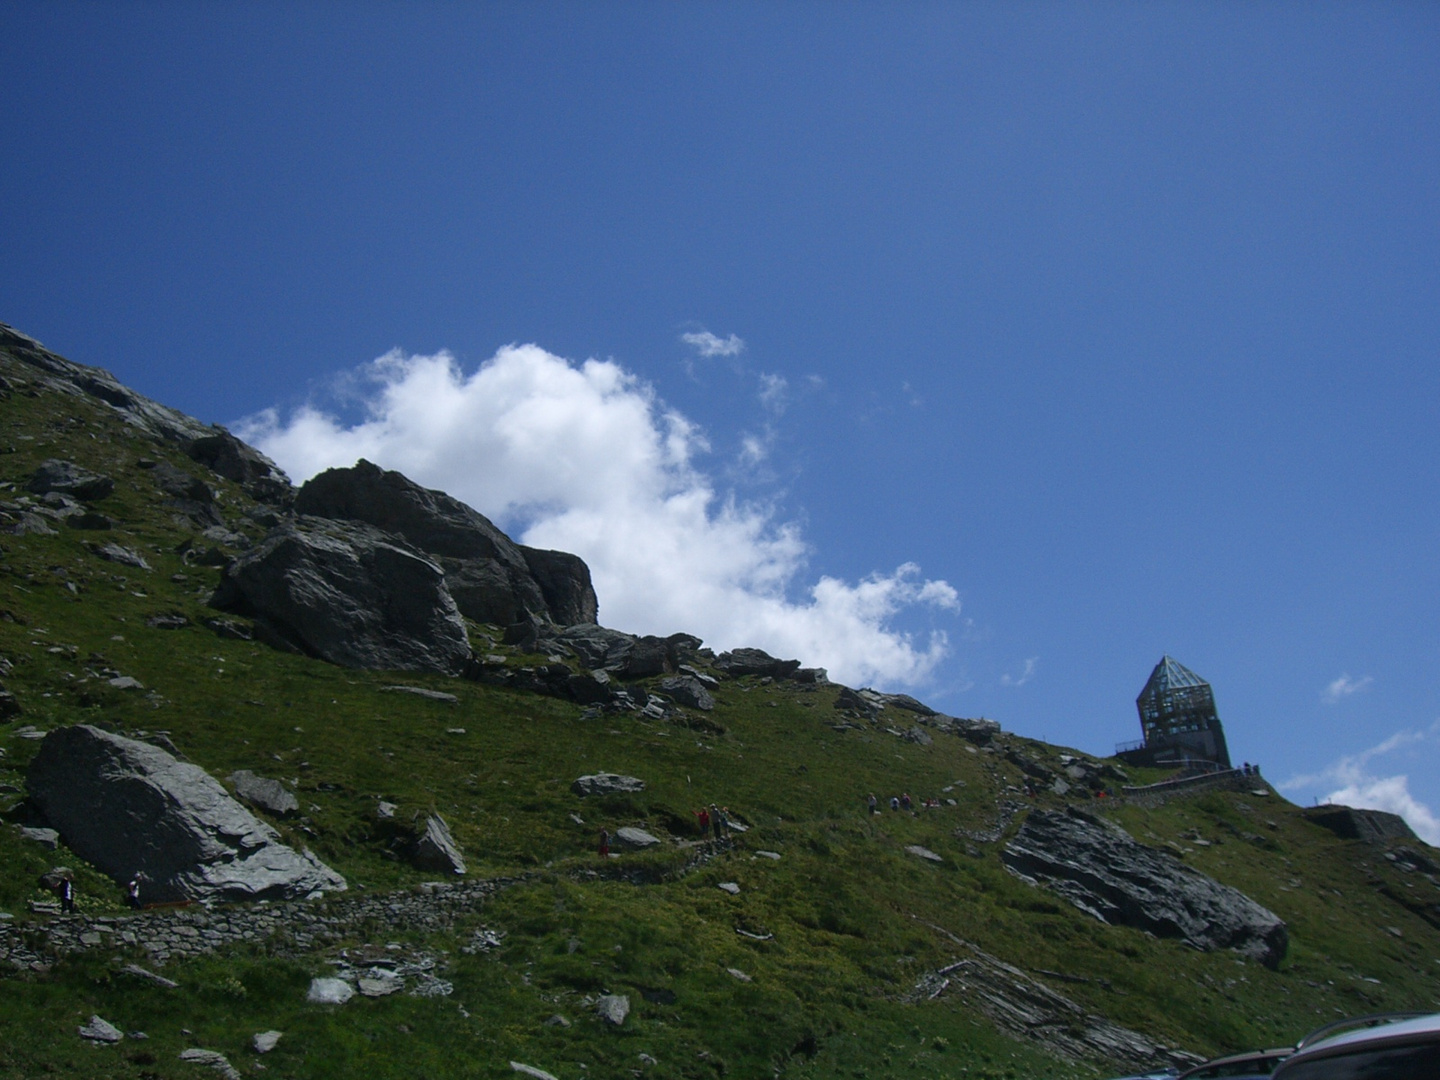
1344	687
585	458
774	393
1026	674
708	344
1351	781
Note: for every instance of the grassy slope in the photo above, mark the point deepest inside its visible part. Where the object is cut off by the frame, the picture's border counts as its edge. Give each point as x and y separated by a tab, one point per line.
850	910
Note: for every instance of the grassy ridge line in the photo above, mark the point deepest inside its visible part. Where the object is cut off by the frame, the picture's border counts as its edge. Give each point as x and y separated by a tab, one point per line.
845	902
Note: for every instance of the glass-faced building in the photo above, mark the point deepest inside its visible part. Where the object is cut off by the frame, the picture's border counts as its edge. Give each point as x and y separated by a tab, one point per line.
1178	718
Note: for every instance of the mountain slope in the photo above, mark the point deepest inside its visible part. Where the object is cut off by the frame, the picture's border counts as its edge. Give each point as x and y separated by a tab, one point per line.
823	963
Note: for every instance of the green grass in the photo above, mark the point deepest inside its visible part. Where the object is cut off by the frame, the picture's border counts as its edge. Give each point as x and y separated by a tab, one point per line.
854	916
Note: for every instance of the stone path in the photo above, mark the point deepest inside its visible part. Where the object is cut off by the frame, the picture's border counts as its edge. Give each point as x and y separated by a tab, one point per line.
299	925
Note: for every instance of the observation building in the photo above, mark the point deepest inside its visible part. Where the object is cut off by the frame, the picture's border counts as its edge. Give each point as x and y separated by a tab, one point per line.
1178	718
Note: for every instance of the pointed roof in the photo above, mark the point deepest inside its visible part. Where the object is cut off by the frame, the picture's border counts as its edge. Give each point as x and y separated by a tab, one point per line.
1170	674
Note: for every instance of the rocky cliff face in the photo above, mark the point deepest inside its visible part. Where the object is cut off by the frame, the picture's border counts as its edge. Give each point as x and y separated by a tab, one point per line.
493	579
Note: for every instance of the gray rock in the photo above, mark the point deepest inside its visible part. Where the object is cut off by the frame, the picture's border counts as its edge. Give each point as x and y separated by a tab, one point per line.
350	594
385	811
128	806
28	524
265	1041
613	1008
492	579
630	836
227	456
374	986
126	682
736	973
48	838
213	1059
1372	826
67	478
768	854
733	888
740	662
924	853
1104	872
150	976
606	784
269	795
688	690
531	1071
596	646
122	555
329	991
436	849
100	1030
420	691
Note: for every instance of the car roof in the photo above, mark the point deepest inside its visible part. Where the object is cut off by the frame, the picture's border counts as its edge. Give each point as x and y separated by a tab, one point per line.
1274	1054
1420	1028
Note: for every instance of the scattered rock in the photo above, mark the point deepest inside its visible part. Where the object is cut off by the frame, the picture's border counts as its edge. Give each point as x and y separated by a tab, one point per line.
265	1041
531	1070
375	986
557	1021
169	621
212	1058
420	691
47	838
269	795
100	1030
630	836
329	991
1104	872
613	1008
730	887
150	976
688	690
385	811
768	854
67	478
924	853
436	849
606	784
128	806
126	682
124	556
737	973
349	594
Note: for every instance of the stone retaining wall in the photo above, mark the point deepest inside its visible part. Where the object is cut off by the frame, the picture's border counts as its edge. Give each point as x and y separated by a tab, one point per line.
301	925
1155	795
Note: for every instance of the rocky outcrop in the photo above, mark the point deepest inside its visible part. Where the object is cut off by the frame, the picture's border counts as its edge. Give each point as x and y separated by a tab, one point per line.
492	579
209	444
688	690
128	806
1373	826
1104	872
740	662
606	784
350	594
436	849
67	478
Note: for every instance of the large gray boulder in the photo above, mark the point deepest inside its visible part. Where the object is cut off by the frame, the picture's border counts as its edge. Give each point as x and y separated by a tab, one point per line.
688	690
436	849
269	795
1103	871
67	478
128	806
741	662
493	579
606	783
350	594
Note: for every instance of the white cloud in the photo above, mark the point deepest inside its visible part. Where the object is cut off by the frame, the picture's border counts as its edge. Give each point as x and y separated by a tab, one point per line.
1026	674
709	344
1351	782
584	458
774	393
1344	687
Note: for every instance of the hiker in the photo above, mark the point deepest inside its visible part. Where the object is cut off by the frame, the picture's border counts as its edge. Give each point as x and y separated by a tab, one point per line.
132	892
722	825
894	802
704	816
874	809
905	800
67	896
604	843
715	822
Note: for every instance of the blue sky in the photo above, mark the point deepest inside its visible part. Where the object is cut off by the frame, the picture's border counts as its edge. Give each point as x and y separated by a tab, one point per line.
987	351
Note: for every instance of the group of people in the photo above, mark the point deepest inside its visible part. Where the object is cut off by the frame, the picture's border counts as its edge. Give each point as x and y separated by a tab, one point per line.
903	801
